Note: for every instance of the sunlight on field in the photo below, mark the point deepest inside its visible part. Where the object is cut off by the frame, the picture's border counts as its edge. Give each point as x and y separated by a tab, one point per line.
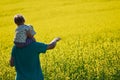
90	32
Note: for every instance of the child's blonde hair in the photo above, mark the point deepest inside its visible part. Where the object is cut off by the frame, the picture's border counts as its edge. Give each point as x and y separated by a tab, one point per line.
19	19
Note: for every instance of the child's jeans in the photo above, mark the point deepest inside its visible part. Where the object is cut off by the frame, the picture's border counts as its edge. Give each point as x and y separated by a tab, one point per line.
28	41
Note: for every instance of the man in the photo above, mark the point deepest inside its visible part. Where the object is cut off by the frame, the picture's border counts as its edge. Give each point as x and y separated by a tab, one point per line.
26	60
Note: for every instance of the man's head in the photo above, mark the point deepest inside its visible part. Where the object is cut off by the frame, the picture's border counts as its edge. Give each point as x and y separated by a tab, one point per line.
19	19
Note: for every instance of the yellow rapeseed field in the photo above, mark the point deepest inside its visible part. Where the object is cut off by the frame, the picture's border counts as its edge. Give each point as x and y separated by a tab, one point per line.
90	32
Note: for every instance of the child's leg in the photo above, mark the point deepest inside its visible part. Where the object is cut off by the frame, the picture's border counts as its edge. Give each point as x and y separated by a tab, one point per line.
19	44
28	41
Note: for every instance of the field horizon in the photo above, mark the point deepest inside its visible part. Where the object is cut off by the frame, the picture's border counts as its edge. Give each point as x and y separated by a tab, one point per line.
90	32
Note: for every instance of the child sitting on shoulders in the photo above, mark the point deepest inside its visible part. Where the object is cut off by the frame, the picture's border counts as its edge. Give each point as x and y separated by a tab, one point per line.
24	33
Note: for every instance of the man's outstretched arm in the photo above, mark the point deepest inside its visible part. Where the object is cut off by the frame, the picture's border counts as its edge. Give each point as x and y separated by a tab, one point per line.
52	44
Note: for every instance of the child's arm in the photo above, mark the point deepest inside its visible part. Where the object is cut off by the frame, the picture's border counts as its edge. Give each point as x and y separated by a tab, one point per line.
29	34
52	44
11	62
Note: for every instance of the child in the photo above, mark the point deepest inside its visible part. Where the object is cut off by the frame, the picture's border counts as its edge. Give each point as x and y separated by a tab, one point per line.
24	33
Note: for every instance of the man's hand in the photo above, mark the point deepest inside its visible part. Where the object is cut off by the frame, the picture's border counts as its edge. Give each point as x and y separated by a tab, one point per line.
56	39
12	62
53	43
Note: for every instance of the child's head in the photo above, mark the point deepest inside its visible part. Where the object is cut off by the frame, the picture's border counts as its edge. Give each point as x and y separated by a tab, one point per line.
19	19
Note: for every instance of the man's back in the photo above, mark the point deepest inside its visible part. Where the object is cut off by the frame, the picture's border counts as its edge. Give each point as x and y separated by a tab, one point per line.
26	61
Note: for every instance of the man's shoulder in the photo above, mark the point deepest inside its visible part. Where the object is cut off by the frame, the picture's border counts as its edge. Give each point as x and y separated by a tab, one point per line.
33	44
37	44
